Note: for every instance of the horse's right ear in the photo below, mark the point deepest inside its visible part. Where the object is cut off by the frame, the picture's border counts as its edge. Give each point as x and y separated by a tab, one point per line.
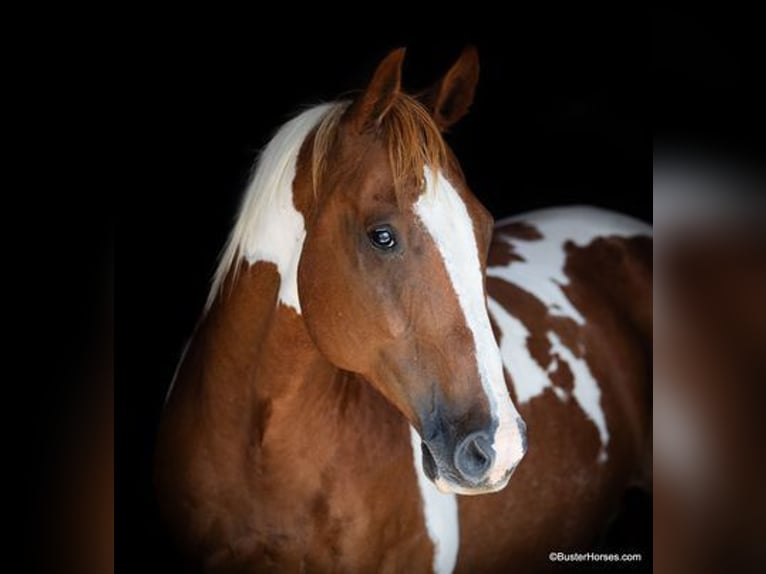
368	110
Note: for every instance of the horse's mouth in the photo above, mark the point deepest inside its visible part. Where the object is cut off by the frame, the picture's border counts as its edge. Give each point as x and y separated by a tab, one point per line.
447	487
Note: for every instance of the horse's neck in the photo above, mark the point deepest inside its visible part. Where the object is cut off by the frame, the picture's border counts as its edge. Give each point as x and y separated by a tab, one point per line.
255	348
260	373
266	440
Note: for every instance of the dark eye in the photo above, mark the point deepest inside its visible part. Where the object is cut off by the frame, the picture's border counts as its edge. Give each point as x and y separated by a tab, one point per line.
382	237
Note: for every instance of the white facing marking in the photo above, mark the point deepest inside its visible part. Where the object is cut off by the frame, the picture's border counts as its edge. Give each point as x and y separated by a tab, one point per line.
586	390
268	226
542	271
445	216
440	515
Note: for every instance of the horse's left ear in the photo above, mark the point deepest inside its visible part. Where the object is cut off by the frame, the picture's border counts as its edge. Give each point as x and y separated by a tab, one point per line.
370	108
449	99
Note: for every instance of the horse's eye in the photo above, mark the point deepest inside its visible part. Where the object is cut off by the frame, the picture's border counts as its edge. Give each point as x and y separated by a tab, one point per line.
382	237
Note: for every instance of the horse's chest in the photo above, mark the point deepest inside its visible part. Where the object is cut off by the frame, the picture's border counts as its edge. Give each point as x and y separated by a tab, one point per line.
341	514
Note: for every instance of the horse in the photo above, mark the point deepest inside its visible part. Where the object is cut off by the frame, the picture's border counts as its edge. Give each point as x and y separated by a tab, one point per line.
357	394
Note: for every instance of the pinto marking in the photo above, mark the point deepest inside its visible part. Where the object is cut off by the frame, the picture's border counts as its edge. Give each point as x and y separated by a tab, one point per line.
529	378
440	514
541	272
586	390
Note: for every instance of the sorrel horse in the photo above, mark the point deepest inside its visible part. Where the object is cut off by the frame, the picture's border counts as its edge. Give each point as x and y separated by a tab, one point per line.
345	381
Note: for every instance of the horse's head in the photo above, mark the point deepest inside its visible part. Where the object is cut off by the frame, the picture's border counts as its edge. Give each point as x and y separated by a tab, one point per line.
391	277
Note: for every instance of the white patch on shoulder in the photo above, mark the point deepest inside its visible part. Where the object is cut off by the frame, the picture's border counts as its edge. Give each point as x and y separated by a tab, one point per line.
445	217
268	226
586	390
440	514
542	271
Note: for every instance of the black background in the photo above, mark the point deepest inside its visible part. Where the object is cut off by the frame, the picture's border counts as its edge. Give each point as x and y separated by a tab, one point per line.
565	112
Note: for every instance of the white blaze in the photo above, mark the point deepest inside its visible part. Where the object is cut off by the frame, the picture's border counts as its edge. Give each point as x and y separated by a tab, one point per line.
445	216
440	515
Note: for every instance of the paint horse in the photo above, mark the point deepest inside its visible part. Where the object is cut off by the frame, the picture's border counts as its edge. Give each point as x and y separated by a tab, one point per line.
345	383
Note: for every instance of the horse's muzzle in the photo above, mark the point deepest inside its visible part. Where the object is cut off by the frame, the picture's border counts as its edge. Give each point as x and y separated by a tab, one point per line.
464	464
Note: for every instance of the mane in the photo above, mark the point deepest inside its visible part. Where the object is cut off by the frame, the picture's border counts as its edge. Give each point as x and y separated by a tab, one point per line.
408	131
269	187
413	141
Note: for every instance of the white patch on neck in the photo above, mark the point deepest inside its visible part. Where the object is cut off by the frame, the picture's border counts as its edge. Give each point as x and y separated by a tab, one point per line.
440	514
268	227
542	271
445	216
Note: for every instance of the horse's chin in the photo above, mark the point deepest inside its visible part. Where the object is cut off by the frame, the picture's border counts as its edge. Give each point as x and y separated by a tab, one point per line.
449	487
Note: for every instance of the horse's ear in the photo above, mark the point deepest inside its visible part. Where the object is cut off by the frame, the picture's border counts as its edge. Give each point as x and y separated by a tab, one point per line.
370	108
449	99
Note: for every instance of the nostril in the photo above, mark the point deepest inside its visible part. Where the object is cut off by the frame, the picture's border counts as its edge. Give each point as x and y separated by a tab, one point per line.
474	456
